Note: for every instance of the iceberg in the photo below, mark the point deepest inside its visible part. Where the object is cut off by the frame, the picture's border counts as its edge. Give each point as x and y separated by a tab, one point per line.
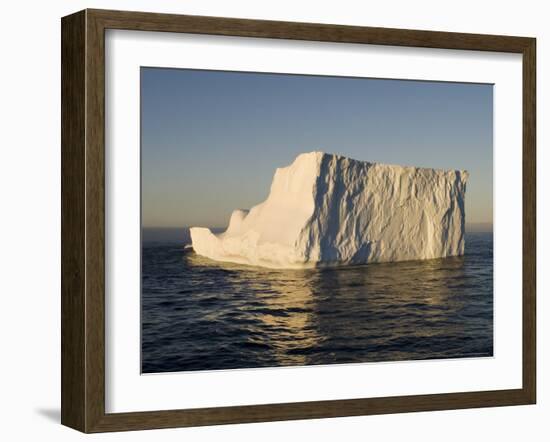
329	210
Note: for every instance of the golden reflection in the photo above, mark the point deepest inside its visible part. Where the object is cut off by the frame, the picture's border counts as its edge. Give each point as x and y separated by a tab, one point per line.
280	305
296	330
387	311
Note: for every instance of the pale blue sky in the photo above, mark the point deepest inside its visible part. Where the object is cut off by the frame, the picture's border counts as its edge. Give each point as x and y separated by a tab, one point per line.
211	140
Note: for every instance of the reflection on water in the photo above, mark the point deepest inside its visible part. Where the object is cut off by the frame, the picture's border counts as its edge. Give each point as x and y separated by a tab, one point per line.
202	315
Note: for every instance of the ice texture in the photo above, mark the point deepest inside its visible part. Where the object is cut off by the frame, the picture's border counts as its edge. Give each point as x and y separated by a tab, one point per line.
329	210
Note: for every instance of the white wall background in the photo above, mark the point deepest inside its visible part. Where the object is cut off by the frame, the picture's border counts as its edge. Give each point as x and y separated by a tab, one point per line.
30	217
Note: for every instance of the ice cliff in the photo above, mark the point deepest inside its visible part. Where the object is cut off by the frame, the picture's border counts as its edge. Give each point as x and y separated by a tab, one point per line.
327	210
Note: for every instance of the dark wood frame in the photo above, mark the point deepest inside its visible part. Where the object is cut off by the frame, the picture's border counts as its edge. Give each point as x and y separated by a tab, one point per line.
83	216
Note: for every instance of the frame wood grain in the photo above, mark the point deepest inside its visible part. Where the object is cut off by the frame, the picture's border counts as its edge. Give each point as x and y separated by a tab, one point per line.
83	218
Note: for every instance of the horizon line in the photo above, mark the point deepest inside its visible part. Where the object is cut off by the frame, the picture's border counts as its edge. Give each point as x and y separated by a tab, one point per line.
476	224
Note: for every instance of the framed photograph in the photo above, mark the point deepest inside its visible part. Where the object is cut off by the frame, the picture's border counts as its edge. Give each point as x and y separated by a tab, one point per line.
268	220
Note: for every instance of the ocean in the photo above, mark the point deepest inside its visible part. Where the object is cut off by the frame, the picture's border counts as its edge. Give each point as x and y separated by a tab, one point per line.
197	314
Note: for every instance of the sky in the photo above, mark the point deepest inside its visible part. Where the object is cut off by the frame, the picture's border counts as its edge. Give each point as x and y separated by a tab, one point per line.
211	140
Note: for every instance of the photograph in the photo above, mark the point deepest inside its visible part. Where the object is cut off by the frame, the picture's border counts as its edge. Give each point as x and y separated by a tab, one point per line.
302	220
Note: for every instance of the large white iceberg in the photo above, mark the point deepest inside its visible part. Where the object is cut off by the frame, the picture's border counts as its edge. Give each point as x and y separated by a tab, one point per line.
326	210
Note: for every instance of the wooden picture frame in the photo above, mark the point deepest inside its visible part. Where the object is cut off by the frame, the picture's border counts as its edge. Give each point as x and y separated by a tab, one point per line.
83	218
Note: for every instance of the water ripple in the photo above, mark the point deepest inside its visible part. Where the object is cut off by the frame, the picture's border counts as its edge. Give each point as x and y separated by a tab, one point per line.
201	315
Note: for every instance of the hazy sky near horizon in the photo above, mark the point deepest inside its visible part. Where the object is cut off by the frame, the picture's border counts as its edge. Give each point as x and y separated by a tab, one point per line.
211	140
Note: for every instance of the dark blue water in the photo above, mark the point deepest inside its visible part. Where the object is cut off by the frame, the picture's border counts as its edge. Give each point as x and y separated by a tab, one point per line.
202	315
